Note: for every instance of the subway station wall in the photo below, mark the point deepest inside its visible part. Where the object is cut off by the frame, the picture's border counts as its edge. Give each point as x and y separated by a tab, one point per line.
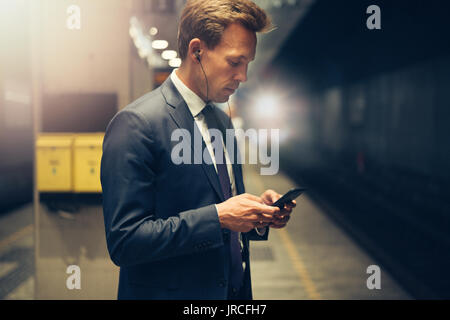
379	93
396	119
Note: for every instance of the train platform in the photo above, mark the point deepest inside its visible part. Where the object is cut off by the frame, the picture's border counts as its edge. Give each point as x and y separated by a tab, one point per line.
312	258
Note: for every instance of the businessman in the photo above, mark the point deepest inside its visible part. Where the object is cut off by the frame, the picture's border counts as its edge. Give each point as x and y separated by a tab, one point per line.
182	230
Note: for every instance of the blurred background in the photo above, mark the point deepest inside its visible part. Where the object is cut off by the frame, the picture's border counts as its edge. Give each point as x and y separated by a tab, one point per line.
363	117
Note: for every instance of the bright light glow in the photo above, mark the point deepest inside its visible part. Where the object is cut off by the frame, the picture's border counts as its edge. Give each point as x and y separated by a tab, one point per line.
133	32
138	42
143	52
141	41
159	44
169	54
175	63
155	61
153	31
266	106
135	27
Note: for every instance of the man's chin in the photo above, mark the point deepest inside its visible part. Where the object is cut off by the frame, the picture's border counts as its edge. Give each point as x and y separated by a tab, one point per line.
222	99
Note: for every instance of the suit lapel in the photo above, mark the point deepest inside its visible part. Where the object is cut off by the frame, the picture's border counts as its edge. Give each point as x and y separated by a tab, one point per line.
181	115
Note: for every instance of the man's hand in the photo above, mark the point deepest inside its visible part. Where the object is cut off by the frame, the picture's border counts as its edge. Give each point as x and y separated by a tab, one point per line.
244	212
282	217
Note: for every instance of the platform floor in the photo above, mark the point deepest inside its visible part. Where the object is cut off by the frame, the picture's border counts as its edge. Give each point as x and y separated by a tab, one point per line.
312	258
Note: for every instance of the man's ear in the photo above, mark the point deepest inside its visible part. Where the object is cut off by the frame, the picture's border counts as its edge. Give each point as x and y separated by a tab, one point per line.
195	49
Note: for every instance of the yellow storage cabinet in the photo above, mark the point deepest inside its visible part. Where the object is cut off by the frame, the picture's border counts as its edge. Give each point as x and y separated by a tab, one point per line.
54	162
87	154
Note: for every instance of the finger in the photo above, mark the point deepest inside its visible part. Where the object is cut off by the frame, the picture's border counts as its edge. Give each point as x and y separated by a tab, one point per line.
270	196
291	204
277	220
254	198
281	219
265	216
288	207
283	212
255	218
286	210
265	209
277	225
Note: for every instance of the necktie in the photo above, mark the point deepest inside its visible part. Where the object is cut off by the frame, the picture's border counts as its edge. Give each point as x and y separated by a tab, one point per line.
235	246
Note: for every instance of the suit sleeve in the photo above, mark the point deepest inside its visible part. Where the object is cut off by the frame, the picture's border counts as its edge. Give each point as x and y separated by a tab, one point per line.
133	234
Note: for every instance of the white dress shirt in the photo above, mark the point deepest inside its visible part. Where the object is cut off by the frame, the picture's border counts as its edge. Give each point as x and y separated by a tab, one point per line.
196	105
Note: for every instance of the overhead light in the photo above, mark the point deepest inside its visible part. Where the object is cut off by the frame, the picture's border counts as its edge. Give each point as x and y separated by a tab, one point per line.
159	44
153	31
175	62
169	54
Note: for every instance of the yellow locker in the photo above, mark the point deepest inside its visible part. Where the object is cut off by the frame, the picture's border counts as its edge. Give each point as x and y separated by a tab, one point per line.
87	154
54	162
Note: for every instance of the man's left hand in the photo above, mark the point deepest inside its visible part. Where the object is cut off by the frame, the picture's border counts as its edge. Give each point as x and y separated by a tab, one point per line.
280	219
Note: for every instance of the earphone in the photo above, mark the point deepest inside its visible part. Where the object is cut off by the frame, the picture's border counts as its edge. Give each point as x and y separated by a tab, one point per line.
197	56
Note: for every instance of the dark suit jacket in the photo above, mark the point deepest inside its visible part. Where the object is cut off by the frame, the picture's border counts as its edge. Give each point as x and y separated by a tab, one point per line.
161	224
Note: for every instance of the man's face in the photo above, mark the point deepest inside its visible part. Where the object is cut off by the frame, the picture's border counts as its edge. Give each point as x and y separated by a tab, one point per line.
226	65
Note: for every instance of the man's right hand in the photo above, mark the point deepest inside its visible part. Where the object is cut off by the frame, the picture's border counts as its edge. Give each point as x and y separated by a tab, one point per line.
244	212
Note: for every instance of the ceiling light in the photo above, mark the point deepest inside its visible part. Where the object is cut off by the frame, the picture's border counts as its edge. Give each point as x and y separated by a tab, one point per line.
153	31
169	54
175	63
159	44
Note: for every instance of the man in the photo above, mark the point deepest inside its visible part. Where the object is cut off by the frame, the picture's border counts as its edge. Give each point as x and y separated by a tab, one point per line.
182	231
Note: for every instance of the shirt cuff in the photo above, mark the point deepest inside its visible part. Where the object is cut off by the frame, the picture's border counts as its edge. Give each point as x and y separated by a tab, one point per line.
261	231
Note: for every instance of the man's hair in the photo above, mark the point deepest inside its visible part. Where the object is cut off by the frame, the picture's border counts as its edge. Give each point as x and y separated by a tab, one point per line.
207	20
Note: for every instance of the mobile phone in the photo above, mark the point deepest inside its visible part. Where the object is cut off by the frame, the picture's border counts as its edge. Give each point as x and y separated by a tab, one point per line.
288	197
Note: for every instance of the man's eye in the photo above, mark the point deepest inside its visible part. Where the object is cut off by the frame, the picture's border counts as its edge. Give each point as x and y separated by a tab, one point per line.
234	64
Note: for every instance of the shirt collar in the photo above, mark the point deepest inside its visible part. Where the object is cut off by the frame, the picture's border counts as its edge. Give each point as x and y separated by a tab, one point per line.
193	101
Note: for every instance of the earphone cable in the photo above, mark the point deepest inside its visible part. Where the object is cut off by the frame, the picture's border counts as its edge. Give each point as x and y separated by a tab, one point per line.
207	92
207	86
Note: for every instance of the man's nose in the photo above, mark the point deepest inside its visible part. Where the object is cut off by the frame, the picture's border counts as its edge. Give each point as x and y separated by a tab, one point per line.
241	76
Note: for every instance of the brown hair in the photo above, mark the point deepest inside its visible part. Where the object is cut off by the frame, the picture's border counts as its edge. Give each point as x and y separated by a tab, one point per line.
207	20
